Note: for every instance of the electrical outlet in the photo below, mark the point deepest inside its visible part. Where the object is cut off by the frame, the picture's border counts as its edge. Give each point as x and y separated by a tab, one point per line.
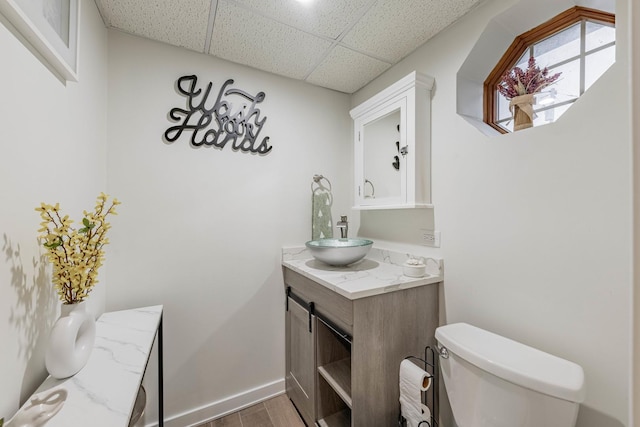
430	238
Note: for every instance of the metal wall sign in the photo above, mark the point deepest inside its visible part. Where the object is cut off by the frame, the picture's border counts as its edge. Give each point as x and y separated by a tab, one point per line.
232	118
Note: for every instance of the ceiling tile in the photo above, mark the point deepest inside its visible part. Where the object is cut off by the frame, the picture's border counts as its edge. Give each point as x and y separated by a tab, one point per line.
242	36
346	71
328	18
180	23
391	32
290	38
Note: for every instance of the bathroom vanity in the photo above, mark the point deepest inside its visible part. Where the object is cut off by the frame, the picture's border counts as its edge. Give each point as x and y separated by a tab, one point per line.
348	329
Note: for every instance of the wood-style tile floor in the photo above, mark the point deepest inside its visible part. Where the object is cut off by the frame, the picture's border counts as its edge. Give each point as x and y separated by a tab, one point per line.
276	412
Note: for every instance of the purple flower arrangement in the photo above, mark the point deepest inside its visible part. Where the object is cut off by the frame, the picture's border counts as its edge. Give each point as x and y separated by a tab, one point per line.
517	82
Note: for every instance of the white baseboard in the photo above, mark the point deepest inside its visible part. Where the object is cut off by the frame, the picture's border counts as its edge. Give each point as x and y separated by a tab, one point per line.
225	406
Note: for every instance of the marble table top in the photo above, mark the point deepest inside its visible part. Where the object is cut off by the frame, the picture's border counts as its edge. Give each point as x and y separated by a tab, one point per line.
103	393
379	272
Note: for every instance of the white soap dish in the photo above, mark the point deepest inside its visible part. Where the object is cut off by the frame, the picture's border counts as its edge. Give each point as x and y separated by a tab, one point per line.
414	267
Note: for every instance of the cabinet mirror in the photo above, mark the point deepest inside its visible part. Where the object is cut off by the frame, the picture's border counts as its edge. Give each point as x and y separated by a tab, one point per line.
384	168
392	146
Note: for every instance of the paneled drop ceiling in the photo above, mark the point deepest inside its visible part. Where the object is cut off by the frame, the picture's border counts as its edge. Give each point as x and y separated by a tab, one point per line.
337	44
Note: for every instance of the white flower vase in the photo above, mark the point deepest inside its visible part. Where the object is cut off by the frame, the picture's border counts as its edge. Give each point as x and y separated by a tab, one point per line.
71	341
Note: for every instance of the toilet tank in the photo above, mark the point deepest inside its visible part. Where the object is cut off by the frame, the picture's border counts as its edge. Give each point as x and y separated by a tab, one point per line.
492	381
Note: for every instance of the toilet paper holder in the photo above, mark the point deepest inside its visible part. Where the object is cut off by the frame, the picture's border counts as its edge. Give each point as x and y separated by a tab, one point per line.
430	397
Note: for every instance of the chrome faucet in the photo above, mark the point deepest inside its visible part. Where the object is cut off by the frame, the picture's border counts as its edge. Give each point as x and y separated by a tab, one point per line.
343	225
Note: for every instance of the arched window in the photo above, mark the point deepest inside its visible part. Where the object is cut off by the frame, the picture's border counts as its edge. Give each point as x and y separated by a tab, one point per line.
579	43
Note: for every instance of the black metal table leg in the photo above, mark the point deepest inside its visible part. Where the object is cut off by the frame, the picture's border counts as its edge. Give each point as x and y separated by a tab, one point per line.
160	378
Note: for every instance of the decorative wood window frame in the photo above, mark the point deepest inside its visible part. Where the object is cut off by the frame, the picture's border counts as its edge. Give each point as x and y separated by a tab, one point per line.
525	41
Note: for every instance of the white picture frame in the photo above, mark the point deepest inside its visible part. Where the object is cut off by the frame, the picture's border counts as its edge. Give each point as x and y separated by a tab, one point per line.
51	27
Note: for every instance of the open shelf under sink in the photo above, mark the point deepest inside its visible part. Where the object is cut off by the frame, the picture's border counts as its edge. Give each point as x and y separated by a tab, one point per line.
339	419
338	375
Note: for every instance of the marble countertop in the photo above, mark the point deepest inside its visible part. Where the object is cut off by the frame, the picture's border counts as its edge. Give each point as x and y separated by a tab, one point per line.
103	393
379	272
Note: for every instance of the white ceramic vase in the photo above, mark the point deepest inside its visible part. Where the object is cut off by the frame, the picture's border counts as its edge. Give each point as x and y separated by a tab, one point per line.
71	341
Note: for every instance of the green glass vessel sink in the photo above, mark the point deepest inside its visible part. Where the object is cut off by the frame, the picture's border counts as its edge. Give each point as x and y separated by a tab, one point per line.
339	251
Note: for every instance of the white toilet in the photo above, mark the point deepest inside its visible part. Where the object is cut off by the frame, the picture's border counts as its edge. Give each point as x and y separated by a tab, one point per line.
492	381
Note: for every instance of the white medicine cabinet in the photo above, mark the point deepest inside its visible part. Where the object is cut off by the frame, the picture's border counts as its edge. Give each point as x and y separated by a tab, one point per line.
392	141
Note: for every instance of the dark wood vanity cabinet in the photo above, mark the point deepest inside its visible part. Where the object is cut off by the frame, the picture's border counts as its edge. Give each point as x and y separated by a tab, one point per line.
343	356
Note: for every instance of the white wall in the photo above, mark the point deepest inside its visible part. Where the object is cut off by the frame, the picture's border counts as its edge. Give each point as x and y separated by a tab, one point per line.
201	230
536	226
52	149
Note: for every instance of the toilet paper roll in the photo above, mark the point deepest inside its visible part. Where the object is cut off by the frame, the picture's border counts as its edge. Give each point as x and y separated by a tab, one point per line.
426	415
414	416
415	376
413	381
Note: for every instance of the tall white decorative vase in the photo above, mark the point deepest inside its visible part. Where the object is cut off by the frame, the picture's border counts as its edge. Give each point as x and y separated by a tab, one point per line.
71	341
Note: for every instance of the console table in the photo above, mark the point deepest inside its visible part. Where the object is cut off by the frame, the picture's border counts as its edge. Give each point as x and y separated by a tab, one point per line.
103	393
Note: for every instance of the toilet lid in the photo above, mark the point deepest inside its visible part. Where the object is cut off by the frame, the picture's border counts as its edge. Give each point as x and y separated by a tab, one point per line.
514	362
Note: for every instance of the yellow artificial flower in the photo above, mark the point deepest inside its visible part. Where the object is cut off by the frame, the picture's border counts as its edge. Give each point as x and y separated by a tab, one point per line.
76	254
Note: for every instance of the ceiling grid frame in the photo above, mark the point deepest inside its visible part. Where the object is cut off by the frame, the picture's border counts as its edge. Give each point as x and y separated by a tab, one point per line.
212	17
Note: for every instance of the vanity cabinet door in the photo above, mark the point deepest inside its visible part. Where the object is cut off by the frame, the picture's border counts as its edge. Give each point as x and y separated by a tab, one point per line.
300	359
